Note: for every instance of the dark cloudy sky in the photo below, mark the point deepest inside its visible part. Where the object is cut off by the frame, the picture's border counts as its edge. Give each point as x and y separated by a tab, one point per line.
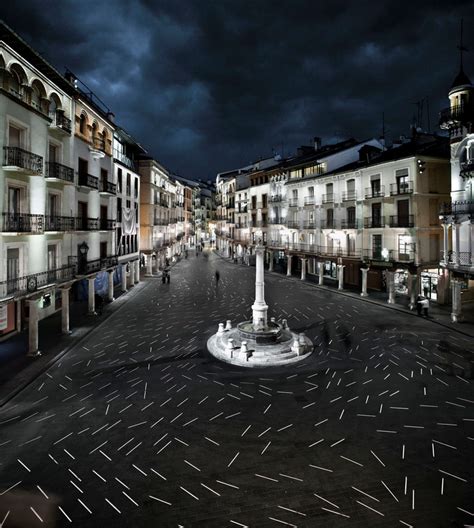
207	86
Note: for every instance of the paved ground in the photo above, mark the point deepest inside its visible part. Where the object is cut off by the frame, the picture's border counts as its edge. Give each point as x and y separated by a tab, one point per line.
138	426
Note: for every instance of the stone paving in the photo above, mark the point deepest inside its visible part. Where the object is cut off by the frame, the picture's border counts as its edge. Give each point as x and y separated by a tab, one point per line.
139	426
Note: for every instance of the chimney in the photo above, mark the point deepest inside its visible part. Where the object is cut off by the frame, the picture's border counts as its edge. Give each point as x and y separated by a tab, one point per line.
111	117
317	143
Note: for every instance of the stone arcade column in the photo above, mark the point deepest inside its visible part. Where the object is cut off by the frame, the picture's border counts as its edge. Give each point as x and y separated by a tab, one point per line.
33	329
413	287
457	243
259	307
91	295
137	271
445	242
456	314
391	287
340	276
364	293
110	289
131	273
288	266
149	265
65	310
321	273
270	262
303	269
124	277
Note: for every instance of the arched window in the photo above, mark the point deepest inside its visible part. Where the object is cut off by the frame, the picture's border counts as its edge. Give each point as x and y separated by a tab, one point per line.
82	124
17	80
38	95
54	104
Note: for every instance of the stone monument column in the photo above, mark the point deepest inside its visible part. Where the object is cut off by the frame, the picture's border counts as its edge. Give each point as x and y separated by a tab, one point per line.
364	293
259	308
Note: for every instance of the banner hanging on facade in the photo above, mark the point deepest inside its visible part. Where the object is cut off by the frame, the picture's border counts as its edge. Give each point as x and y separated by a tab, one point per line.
129	224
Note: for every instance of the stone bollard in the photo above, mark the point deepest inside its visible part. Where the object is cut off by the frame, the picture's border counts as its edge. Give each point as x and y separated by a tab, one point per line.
221	328
228	324
243	347
272	319
284	324
296	346
301	339
230	347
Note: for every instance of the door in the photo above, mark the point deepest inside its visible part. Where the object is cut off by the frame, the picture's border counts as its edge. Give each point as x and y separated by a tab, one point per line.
52	262
376	215
403	210
53	153
14	136
376	246
82	215
103	217
13	269
375	187
14	220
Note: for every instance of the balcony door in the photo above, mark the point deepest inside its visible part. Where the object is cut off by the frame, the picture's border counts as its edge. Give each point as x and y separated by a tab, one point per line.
52	262
82	215
13	269
103	217
53	153
351	217
375	187
15	136
376	214
14	200
403	209
376	246
402	181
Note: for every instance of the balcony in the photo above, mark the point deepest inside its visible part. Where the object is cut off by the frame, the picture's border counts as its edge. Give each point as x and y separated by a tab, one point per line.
87	224
97	148
328	198
309	200
459	259
241	208
106	224
467	169
293	202
374	221
163	203
31	283
87	180
60	124
401	188
303	248
309	225
338	252
402	221
457	208
277	220
328	224
349	224
349	196
392	256
374	192
93	266
160	222
59	223
293	224
276	198
262	223
58	172
455	116
16	159
107	187
22	223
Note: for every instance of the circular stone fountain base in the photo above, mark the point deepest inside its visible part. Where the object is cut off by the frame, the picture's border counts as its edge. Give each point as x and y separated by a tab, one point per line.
262	348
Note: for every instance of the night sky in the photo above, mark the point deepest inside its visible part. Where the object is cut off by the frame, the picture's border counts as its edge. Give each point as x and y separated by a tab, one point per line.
207	86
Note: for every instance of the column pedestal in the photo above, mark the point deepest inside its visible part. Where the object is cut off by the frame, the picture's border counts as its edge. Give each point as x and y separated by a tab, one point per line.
124	277
364	293
288	266
91	296
110	290
270	262
137	271
303	269
391	287
33	329
321	273
65	311
149	265
340	276
413	290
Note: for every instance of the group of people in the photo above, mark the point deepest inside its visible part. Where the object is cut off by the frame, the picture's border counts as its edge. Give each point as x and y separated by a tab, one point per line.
422	304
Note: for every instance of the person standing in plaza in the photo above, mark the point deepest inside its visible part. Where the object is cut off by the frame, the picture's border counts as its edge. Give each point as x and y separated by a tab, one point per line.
218	276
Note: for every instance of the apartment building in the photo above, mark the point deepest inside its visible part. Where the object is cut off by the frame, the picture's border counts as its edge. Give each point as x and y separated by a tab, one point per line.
456	215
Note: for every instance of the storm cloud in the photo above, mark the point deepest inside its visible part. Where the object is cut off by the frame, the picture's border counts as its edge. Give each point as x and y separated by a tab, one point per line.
206	86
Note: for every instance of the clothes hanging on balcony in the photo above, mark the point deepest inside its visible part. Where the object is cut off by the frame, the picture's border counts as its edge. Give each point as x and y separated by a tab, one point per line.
129	223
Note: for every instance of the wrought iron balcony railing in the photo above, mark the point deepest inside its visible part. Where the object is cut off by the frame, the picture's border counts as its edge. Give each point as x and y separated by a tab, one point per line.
309	225
87	224
328	198
467	169
457	208
293	224
22	223
18	286
276	198
61	121
277	220
349	224
309	200
22	159
374	221
459	258
405	187
108	187
87	180
328	224
348	196
59	223
293	202
401	221
106	224
374	192
59	172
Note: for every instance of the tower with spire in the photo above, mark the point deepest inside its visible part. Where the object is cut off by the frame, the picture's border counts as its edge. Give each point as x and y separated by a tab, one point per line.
457	217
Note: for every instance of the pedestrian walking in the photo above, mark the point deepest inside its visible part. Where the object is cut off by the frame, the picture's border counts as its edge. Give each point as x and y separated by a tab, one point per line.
418	304
218	276
425	304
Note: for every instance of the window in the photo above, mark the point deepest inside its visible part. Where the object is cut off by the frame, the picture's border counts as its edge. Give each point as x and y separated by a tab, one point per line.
128	189
351	217
376	246
119	180
311	191
13	269
52	262
103	249
15	136
402	181
53	153
329	218
82	124
14	200
53	204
